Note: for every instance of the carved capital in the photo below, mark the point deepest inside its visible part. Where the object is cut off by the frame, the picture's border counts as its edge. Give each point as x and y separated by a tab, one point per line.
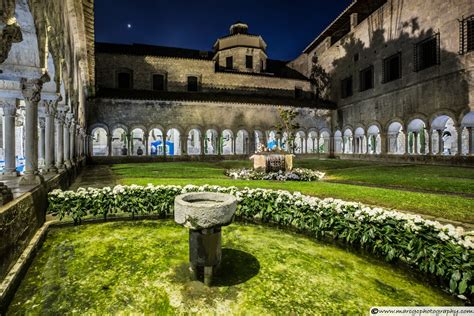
42	122
31	89
61	113
10	34
9	106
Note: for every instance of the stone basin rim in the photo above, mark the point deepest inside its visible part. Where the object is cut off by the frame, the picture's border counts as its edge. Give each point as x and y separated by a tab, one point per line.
216	199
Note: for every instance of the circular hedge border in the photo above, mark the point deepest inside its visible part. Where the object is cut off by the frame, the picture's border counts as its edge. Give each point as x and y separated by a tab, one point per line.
439	250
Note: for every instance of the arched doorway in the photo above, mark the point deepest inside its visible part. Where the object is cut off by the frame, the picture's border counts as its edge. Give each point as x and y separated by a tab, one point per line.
173	143
99	142
396	139
348	142
194	142
119	142
374	140
242	142
138	142
417	137
444	138
155	142
210	142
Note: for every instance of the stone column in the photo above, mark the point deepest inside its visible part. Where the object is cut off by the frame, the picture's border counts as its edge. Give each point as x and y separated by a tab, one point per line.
415	142
9	112
469	139
66	141
406	143
31	90
50	112
332	145
440	142
147	145
459	138
61	113
183	139
317	144
252	146
72	140
202	141
109	144
128	138
41	144
383	144
430	141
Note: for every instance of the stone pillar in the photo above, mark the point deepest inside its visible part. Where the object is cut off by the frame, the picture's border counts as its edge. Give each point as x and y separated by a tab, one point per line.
147	145
72	140
183	139
430	141
50	112
41	144
317	144
459	138
66	141
9	113
252	144
31	90
202	141
415	143
406	142
128	138
440	142
61	113
332	145
383	144
343	144
469	139
109	145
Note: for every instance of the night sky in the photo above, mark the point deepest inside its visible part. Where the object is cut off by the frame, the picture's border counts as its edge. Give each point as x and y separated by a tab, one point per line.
286	26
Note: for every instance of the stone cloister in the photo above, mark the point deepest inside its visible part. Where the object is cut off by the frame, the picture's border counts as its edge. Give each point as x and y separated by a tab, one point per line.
441	137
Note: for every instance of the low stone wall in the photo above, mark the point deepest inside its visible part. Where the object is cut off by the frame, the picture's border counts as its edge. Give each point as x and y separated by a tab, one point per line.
21	218
105	160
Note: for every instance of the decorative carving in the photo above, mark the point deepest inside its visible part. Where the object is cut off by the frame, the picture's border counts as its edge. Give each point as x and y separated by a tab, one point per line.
42	122
10	34
9	107
31	89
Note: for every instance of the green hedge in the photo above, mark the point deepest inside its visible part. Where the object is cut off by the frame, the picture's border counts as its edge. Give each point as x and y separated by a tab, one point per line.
439	250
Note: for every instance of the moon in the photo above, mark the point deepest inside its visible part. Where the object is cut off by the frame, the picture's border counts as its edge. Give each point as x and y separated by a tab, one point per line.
129	26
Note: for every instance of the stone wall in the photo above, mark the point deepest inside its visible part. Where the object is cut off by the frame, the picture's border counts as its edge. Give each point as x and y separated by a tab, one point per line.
22	217
178	69
397	26
184	116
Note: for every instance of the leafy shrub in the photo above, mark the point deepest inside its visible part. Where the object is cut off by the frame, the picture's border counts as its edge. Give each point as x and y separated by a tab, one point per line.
297	174
439	250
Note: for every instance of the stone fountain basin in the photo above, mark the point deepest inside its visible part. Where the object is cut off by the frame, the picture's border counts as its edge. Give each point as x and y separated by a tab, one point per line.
202	210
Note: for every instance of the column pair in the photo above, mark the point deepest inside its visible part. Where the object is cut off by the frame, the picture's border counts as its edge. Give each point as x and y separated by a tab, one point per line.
31	90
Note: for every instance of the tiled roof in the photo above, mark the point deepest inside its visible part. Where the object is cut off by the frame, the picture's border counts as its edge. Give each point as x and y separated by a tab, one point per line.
275	68
212	97
152	50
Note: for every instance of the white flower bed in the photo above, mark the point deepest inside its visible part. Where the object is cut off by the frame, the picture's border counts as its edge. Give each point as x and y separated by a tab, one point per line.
440	250
297	174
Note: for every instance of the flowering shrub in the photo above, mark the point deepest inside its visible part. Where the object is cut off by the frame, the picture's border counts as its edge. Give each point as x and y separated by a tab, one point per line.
440	250
297	174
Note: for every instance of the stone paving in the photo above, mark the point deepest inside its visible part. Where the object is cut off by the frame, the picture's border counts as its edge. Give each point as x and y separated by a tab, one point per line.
96	176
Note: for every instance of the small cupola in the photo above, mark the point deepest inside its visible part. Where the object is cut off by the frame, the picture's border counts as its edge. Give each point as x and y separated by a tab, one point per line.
239	28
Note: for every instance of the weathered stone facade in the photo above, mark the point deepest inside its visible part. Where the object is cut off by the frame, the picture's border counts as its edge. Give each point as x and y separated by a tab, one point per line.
233	109
417	108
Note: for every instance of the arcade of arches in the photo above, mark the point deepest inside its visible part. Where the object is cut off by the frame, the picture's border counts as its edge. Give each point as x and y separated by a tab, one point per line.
441	135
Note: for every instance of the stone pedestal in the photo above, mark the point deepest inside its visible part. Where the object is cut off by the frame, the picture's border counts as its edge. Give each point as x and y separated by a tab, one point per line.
204	213
271	162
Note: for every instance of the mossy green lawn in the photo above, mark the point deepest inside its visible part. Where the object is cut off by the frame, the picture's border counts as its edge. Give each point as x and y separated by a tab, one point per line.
395	185
141	267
